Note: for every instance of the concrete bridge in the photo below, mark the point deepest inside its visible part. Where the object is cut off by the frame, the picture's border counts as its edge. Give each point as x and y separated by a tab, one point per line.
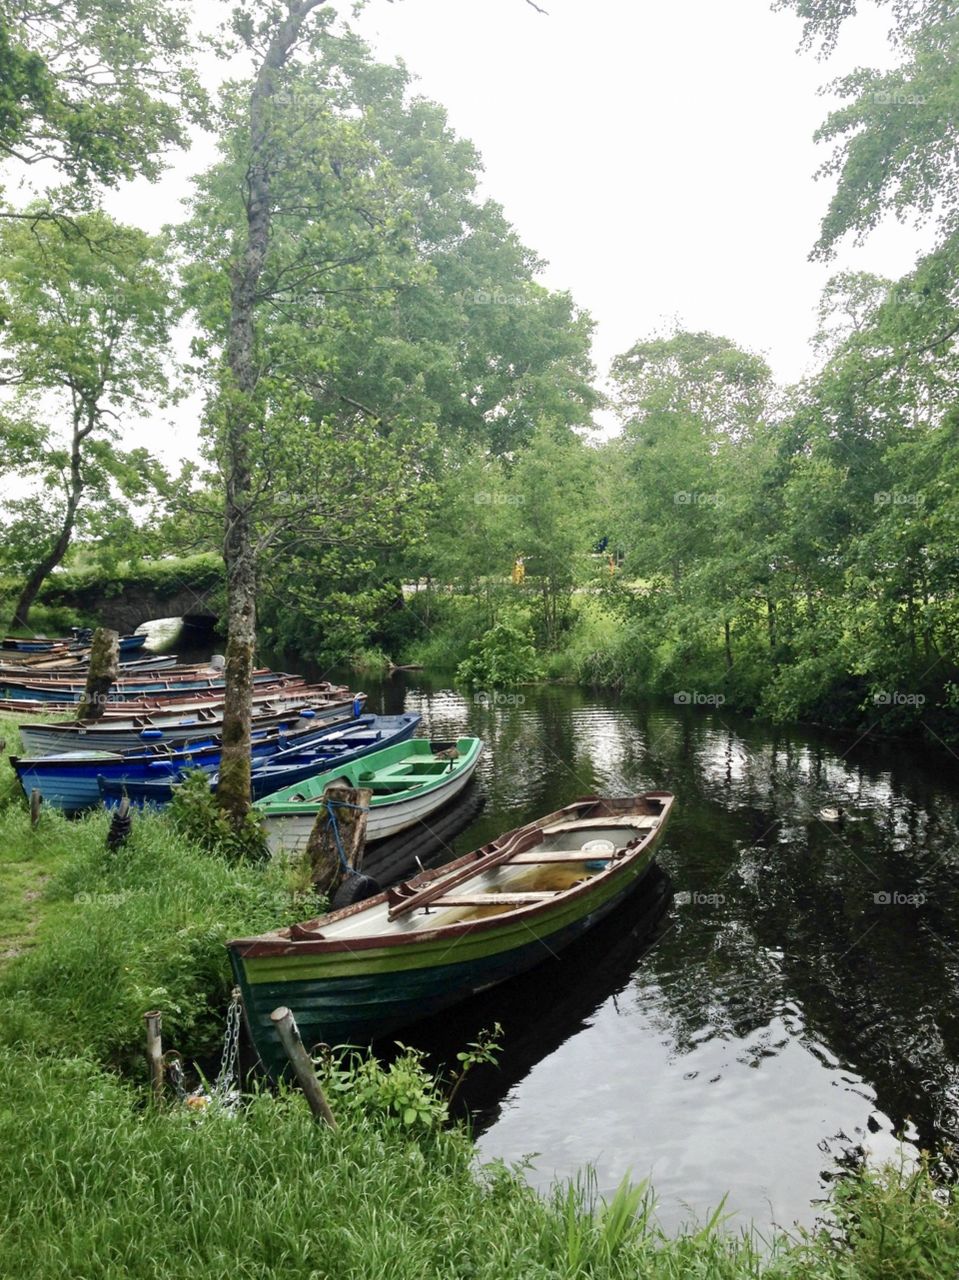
191	588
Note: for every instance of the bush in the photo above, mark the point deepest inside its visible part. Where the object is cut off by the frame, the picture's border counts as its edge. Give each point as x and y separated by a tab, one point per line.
195	814
504	656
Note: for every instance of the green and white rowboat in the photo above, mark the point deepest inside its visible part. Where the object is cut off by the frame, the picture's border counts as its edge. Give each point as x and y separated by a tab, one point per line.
409	781
425	944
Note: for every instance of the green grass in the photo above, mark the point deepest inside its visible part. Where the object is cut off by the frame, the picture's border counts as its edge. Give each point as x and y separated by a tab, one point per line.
123	932
95	1184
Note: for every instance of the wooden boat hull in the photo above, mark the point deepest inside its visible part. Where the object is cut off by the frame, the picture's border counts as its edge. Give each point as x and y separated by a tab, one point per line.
41	740
294	692
143	686
288	827
363	989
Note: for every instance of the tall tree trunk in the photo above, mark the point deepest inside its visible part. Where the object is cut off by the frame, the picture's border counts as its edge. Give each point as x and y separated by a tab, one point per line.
239	546
39	575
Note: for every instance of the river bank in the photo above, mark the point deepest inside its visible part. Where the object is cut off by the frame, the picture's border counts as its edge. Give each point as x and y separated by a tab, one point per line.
101	937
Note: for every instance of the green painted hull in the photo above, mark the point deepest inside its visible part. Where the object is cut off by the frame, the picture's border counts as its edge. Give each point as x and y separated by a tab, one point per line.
354	994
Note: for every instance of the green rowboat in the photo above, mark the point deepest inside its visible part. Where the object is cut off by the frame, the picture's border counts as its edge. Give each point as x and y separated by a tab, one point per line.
409	781
427	943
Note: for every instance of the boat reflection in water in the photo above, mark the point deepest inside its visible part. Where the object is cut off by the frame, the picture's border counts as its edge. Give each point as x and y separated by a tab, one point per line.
543	1008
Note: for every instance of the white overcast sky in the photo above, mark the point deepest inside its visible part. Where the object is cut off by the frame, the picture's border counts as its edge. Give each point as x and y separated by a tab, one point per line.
659	156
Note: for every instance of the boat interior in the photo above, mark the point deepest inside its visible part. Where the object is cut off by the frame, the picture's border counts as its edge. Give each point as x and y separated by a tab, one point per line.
547	862
401	776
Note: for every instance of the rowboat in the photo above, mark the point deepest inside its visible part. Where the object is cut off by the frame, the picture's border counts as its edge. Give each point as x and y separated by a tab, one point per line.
39	644
72	691
338	745
75	668
70	781
123	735
376	966
408	782
293	689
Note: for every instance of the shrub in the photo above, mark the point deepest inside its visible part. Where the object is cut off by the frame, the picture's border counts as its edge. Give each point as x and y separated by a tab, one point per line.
504	656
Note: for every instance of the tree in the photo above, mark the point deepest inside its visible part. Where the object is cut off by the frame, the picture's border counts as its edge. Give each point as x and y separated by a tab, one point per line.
336	218
896	136
96	88
86	319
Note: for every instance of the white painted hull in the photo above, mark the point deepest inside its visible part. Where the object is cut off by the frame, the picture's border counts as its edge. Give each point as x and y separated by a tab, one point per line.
289	833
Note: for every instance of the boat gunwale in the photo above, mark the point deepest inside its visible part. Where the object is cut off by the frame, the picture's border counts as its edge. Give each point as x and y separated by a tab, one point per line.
279	946
271	807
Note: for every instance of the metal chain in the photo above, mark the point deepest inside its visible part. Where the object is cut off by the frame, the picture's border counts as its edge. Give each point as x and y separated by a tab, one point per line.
226	1084
174	1073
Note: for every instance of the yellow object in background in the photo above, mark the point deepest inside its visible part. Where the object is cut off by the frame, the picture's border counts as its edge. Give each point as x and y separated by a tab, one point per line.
519	571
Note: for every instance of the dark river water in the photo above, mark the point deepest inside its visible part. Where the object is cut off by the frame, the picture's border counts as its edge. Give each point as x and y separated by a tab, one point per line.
778	1001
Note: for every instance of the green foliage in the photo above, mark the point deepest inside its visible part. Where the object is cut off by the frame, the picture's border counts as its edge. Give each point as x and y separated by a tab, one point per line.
482	1051
194	814
402	1095
504	656
162	578
99	89
87	312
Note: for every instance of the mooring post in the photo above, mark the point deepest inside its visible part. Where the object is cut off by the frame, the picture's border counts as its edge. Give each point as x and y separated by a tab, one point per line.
155	1052
101	673
302	1064
36	800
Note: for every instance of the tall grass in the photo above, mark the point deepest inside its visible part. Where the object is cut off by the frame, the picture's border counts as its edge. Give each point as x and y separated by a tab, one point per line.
123	932
94	1184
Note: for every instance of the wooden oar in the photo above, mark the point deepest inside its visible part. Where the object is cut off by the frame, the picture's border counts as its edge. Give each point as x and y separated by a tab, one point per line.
400	904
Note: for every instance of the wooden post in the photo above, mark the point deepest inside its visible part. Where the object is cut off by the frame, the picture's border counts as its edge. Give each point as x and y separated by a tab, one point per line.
321	849
36	800
101	673
300	1060
155	1052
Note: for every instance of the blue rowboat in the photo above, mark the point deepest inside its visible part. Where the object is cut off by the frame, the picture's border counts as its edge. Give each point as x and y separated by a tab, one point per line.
38	644
69	782
340	745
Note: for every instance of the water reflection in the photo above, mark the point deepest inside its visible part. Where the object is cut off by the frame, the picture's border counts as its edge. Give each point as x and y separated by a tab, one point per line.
793	1006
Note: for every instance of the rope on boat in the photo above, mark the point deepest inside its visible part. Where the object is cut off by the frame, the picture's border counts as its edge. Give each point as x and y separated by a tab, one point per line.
331	822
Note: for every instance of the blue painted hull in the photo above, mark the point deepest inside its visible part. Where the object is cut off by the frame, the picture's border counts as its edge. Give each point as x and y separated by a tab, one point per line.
70	782
370	733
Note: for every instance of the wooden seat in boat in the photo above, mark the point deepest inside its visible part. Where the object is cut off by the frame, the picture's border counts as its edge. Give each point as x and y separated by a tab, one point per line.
491	899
